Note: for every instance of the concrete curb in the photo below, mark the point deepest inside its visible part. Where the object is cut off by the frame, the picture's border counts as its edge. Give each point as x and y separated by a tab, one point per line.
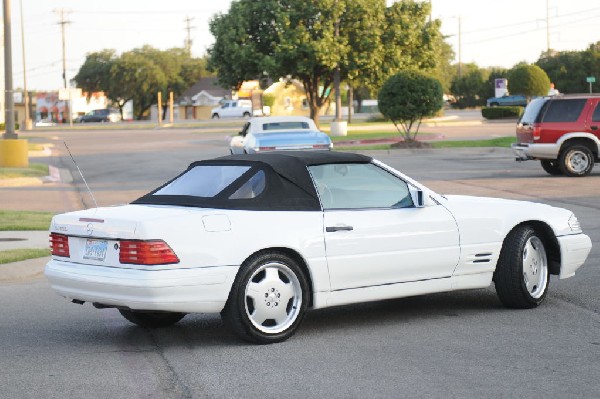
24	270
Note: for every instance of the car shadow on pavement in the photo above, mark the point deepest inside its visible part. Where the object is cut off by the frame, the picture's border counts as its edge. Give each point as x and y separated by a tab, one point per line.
208	330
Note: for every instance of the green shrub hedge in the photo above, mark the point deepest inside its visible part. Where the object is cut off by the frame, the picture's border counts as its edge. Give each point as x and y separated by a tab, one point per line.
501	112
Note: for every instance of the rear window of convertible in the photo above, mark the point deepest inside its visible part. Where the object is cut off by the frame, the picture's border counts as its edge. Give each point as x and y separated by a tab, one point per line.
209	181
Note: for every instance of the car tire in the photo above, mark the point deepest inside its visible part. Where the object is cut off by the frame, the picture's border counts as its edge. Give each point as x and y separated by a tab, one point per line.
494	104
576	160
551	167
215	116
522	276
268	299
246	115
152	319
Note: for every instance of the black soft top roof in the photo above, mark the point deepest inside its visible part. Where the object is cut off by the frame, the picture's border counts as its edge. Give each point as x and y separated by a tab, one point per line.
289	185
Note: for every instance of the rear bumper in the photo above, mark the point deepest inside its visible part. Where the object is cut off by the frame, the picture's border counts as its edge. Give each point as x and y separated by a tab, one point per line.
203	290
574	250
527	151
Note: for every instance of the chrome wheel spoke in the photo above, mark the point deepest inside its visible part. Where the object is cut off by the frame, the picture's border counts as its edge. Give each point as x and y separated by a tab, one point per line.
287	292
261	313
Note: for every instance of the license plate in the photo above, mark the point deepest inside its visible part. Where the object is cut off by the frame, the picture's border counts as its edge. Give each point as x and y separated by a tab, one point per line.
95	249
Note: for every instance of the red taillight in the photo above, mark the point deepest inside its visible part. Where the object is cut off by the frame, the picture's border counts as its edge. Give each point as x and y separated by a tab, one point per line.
537	131
266	149
59	244
320	146
152	252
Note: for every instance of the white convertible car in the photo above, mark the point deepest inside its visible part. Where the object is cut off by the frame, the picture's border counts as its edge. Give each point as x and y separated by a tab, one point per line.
263	238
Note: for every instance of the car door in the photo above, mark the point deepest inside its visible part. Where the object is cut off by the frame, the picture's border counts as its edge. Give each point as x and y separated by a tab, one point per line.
374	234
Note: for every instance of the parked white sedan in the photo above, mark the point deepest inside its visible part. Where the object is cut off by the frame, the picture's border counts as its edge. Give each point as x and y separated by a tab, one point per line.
263	238
277	133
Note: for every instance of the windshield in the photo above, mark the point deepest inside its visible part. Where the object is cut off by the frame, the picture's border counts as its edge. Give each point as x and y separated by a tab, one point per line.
532	110
284	125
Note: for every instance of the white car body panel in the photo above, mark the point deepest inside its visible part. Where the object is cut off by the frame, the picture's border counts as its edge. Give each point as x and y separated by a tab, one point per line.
426	239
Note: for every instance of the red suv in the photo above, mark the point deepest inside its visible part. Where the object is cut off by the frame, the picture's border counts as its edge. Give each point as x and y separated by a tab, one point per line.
563	132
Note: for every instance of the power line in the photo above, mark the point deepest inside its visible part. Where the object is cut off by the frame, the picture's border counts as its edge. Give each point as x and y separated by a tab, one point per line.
498	27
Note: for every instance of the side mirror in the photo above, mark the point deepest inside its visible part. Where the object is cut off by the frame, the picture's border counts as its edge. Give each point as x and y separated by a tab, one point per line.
417	195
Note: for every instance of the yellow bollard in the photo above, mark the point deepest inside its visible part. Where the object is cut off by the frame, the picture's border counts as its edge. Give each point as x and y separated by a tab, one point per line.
14	153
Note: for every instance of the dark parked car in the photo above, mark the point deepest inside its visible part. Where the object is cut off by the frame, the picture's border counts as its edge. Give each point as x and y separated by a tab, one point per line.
100	115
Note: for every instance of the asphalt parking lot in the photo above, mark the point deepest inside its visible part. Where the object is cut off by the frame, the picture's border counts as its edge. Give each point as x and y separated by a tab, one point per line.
460	344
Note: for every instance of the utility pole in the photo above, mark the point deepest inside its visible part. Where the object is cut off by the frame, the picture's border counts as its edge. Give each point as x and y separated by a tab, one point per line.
459	47
27	121
61	12
62	23
547	27
9	101
188	40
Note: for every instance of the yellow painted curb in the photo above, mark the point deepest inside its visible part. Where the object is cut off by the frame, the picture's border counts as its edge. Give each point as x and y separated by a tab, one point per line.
14	153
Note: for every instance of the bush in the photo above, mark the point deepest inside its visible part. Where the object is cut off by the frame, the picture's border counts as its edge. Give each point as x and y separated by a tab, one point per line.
3	126
407	97
501	112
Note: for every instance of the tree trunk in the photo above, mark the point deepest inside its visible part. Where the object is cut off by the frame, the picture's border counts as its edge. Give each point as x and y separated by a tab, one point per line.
350	104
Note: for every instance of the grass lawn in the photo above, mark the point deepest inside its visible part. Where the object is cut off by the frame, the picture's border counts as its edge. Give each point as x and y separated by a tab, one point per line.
504	142
34	170
495	142
24	220
16	255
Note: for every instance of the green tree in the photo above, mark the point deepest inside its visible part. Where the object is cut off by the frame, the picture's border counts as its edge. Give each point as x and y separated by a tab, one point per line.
309	40
468	87
139	75
528	80
95	73
568	70
406	98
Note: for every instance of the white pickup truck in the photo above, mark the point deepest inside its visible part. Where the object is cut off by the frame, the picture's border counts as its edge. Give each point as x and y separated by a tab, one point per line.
233	108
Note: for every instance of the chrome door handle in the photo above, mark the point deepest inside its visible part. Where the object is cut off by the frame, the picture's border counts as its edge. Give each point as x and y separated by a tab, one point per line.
332	229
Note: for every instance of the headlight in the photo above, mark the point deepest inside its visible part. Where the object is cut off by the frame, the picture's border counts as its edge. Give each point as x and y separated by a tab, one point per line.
574	224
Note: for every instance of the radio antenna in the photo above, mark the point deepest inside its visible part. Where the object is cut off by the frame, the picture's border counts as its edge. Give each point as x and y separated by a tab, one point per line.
81	174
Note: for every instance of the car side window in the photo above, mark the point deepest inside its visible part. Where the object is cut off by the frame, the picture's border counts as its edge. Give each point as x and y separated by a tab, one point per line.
567	110
596	115
359	186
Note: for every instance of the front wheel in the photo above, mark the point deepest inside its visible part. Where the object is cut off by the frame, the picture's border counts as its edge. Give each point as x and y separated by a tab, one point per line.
215	116
152	319
551	167
268	299
521	277
576	161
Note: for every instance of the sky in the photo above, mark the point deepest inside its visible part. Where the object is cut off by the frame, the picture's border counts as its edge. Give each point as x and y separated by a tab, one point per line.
493	33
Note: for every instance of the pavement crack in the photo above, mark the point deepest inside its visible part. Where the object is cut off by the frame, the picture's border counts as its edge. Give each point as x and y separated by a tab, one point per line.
177	386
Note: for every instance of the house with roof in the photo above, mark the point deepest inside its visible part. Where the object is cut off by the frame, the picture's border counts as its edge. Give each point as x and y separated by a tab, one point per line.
197	101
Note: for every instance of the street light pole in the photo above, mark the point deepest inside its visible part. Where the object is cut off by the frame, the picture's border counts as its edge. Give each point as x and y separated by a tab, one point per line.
9	102
27	121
